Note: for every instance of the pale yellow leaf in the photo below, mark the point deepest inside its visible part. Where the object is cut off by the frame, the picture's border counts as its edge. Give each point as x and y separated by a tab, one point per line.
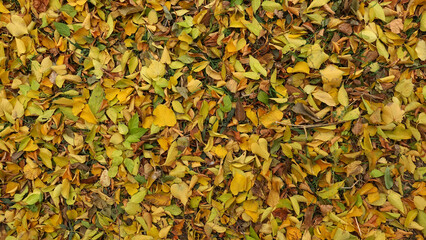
395	199
260	148
342	96
256	66
17	26
316	56
421	50
181	191
324	97
317	3
331	76
368	35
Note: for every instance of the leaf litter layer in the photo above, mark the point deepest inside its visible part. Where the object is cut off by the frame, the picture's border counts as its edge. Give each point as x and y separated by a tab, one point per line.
212	119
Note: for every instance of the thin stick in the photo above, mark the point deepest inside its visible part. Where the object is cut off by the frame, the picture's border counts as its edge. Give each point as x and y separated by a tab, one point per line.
311	125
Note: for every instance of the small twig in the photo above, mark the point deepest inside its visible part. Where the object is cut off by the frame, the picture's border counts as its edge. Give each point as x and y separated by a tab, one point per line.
311	125
353	185
357	225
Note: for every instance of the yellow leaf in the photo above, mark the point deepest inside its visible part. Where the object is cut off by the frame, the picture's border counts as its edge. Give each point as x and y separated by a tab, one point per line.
421	50
295	205
352	115
87	114
31	146
423	22
111	25
184	37
152	17
316	56
317	3
251	208
181	191
378	11
253	117
392	112
331	76
260	148
381	48
254	27
20	46
411	215
156	69
256	66
46	157
3	9
395	199
12	187
164	116
301	67
331	191
238	183
197	67
270	118
165	57
17	26
399	133
194	85
123	94
405	87
177	106
172	154
419	202
324	97
220	151
342	96
271	6
18	110
368	35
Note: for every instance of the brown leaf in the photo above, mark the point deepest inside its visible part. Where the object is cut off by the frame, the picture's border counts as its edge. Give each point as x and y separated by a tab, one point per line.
396	26
357	129
325	209
158	199
345	28
309	213
240	114
300	108
41	5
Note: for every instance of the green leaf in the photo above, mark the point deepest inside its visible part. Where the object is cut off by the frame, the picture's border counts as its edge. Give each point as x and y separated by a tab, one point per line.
330	192
255	4
139	196
263	97
376	173
134	122
227	104
34	197
129	164
388	179
236	2
62	29
69	10
173	209
253	234
271	6
96	98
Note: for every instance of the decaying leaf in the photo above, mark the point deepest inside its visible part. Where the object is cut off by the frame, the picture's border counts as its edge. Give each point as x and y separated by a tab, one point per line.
233	119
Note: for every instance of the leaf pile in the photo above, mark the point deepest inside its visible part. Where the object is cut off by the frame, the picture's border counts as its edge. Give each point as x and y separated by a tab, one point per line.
155	119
